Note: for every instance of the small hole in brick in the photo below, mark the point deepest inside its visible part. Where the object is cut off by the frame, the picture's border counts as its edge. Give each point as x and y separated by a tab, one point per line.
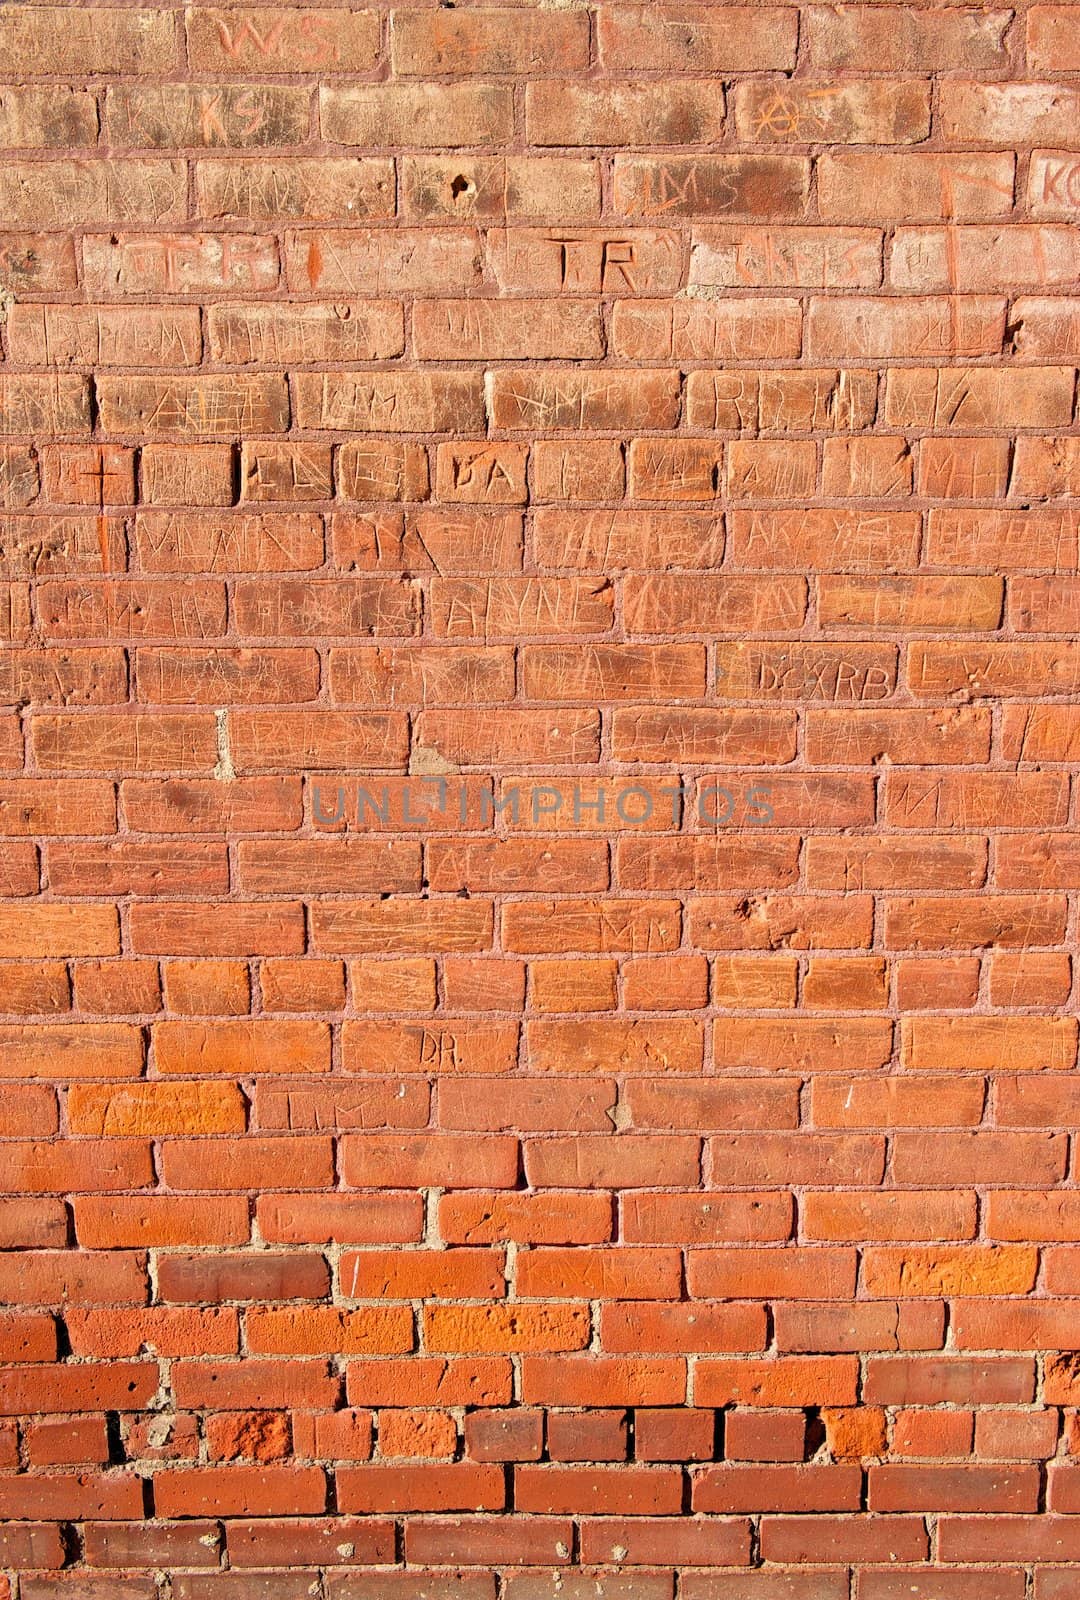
459	185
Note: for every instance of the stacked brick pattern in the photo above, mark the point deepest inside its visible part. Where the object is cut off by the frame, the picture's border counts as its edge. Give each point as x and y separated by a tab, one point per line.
650	395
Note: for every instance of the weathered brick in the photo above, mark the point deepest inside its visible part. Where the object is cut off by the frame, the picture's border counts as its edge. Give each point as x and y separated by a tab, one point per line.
429	115
676	111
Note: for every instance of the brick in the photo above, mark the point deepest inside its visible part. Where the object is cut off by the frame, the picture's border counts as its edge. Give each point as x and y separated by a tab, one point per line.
463	1329
298	1218
268	39
483	1541
606	1380
504	1435
484	985
586	1436
785	1381
838	982
627	539
970	1043
558	1047
193	988
69	1496
417	1434
787	1273
916	1215
65	336
819	258
689	1330
1048	325
428	1380
252	929
898	1102
853	1042
741	39
963	188
588	471
713	1542
676	1435
959	1271
906	1488
738	1103
933	1433
510	188
658	984
707	330
968	325
1004	1584
244	542
855	111
993	1158
731	1488
739	982
405	984
585	261
46	1276
370	1160
260	1275
560	398
764	1435
48	40
981	257
461	541
935	397
621	1273
190	407
756	187
508	607
300	1163
1003	113
232	1491
419	115
125	1222
678	111
890	39
59	1443
81	1050
297	187
420	1274
315	1330
489	1218
155	1109
240	115
831	1538
1050	186
160	1329
86	1387
402	402
430	1048
254	1384
63	677
495	41
635	1490
389	927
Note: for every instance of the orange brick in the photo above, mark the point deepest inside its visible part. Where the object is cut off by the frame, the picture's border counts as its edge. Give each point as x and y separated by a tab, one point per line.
201	988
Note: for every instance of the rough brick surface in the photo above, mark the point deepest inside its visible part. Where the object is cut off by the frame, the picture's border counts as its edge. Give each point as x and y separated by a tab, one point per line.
539	843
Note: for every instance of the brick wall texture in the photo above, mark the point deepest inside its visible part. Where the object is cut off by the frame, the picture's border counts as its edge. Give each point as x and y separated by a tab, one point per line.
464	1192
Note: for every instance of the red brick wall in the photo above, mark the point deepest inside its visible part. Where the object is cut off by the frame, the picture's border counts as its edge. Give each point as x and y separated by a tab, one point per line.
536	398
